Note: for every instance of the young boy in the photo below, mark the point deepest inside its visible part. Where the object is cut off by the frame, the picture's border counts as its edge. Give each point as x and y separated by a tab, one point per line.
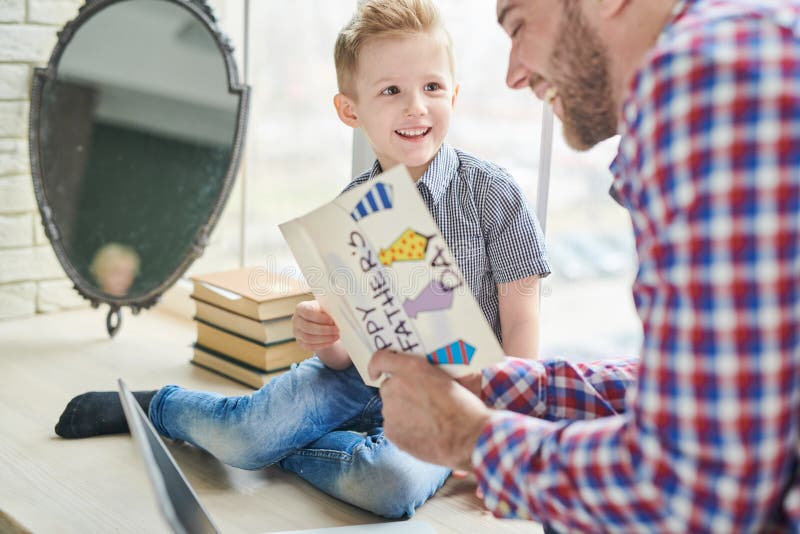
395	72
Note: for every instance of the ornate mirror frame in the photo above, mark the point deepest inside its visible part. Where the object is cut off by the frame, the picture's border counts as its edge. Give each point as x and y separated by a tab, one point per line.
201	10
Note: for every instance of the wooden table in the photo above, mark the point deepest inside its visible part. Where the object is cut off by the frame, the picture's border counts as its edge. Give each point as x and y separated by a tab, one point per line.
48	484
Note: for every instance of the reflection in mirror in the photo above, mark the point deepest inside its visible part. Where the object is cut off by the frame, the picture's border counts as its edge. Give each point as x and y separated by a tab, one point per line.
136	129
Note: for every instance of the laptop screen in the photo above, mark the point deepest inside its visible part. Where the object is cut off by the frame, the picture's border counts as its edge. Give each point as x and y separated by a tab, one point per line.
177	500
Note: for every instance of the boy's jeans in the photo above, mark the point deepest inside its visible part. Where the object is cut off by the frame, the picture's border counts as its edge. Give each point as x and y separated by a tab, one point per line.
310	420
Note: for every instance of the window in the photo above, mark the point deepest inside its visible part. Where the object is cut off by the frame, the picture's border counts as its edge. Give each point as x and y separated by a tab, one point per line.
299	156
297	152
589	236
590	242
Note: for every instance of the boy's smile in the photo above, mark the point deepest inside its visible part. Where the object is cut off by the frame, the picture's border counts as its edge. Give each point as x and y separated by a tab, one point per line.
413	134
403	97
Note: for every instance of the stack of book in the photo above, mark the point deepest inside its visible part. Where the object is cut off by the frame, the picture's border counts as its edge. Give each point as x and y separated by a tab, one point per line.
244	323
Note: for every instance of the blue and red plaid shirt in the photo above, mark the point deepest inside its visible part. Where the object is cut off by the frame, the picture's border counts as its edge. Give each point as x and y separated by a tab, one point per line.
701	433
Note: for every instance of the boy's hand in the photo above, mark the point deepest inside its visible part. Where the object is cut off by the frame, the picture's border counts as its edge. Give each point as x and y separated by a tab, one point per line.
313	328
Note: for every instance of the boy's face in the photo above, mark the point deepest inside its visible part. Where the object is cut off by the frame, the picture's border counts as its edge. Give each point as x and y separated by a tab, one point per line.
404	94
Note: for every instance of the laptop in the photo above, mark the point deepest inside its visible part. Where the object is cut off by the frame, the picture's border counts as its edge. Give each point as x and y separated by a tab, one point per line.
179	503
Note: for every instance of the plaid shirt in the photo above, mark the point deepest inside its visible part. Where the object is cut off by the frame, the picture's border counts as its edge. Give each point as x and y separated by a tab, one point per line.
485	220
702	434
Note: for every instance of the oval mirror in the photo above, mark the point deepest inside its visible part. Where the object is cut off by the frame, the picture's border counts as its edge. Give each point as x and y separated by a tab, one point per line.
137	125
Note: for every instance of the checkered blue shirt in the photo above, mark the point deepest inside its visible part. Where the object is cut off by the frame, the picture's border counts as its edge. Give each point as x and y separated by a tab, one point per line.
702	433
485	220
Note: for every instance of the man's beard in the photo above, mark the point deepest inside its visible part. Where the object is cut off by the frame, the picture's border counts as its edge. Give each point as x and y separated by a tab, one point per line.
580	68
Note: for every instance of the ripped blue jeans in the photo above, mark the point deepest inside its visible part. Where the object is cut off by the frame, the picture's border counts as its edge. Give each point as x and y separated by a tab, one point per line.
321	424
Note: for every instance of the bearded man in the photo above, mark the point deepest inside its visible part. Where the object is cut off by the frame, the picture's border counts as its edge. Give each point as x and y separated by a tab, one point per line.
702	431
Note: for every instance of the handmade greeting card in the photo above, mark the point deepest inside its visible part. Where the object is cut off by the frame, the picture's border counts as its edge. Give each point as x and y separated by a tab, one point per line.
377	263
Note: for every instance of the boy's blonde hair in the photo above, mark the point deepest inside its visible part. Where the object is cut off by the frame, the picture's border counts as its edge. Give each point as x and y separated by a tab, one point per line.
112	255
384	18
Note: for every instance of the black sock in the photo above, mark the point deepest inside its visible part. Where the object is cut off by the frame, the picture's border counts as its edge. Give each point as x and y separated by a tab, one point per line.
96	413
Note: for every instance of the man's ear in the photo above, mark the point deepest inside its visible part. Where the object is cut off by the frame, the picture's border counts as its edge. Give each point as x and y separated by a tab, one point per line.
455	95
610	8
345	108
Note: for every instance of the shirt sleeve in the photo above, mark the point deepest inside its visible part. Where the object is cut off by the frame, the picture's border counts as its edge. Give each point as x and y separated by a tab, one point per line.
514	241
708	441
558	389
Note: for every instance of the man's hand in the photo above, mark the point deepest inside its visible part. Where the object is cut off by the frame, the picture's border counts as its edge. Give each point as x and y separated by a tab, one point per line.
472	382
426	412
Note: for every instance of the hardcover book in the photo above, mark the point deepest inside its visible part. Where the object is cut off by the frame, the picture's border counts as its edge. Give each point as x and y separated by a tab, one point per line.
270	331
253	291
377	263
233	369
269	356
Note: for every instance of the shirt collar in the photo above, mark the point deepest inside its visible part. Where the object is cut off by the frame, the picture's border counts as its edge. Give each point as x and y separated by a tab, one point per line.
437	176
618	190
678	11
440	172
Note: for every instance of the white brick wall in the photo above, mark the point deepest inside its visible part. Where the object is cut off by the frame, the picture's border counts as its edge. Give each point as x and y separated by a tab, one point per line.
17	300
12	10
39	237
22	264
13	119
52	11
16	194
14	81
26	44
31	279
57	295
14	157
16	230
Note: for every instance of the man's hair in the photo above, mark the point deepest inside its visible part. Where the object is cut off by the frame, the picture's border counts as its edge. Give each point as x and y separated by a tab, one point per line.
384	18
